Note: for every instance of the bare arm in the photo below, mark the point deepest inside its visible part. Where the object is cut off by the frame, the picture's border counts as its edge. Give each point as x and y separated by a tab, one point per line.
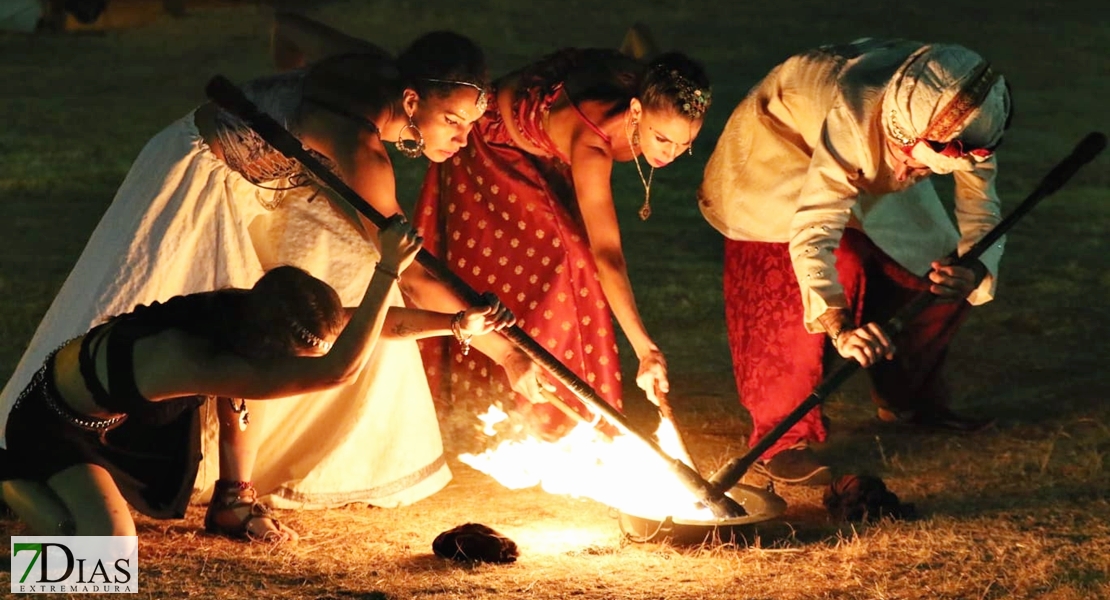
414	323
172	364
433	297
524	375
363	164
376	184
475	321
185	367
591	170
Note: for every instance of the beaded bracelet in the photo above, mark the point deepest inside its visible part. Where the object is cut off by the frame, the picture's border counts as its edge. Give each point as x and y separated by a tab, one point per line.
456	329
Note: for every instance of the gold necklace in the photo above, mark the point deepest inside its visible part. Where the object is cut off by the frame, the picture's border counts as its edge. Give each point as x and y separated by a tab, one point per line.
645	210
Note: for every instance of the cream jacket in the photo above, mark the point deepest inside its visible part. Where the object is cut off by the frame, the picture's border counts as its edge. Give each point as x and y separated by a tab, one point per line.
804	156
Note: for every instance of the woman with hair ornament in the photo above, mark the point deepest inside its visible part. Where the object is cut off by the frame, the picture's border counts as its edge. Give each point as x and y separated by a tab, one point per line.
208	204
111	418
527	211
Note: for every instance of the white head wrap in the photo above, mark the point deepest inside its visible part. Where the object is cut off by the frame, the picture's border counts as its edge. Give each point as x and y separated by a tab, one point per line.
944	92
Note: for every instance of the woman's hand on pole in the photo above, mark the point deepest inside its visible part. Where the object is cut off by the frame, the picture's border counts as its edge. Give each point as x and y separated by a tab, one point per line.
400	244
493	316
652	375
526	377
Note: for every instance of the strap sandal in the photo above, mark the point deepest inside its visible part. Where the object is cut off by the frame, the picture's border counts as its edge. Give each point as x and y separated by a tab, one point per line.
236	513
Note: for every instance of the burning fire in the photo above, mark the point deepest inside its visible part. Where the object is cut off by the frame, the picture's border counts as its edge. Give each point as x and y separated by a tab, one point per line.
623	473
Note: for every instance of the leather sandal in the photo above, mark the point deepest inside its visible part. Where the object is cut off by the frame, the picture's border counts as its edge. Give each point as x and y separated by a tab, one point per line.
235	512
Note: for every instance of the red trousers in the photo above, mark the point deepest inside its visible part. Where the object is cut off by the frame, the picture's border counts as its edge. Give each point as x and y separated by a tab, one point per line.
777	363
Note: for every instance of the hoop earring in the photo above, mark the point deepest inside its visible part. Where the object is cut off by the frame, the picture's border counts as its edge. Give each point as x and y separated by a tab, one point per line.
414	147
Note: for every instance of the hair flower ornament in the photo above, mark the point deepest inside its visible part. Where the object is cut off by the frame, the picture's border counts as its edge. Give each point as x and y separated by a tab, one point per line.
695	100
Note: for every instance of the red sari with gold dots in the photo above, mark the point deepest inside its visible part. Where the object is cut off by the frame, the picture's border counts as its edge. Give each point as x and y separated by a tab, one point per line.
508	222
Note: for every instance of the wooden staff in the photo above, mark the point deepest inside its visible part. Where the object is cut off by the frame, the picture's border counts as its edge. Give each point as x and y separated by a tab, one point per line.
231	98
727	476
667	414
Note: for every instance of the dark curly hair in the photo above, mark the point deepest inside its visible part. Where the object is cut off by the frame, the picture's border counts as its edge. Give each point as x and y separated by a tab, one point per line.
285	310
435	63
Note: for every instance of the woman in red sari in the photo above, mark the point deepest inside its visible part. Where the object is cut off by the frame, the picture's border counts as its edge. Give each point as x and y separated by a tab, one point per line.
526	211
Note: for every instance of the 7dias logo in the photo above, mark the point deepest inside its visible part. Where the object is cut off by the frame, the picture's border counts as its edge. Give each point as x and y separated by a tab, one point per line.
76	565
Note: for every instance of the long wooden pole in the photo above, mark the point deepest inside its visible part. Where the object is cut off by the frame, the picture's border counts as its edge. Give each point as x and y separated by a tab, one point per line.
231	98
727	476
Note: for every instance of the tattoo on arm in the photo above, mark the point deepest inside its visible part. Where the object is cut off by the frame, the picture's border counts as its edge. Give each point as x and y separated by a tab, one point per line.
402	329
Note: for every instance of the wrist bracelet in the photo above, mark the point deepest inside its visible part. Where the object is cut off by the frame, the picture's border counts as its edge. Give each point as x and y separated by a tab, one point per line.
456	329
394	274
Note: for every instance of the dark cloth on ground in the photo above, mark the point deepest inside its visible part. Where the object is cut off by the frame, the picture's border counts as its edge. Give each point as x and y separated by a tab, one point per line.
475	542
860	498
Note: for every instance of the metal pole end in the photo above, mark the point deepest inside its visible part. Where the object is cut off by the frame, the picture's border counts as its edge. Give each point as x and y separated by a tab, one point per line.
724	507
709	496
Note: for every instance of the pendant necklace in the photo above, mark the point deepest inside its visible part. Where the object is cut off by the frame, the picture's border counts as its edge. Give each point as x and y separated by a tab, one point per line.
633	142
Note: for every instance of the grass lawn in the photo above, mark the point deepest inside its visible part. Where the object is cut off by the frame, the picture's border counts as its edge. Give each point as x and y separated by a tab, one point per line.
1021	511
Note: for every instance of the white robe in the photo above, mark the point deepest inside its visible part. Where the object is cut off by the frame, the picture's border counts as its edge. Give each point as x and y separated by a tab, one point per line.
183	222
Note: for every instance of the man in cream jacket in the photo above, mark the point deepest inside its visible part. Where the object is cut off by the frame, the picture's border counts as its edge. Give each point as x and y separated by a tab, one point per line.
821	183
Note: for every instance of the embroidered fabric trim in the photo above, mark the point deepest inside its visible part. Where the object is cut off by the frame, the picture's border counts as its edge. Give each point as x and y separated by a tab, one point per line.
382	491
950	119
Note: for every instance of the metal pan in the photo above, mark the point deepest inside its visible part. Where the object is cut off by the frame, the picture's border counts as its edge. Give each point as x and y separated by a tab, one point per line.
760	504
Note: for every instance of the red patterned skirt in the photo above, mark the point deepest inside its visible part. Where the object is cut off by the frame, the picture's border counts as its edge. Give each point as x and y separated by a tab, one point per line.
507	222
777	363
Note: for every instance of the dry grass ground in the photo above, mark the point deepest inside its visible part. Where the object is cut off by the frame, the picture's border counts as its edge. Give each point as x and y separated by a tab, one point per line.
1019	512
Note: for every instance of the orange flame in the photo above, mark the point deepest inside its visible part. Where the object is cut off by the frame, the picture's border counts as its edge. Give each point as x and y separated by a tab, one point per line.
624	473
